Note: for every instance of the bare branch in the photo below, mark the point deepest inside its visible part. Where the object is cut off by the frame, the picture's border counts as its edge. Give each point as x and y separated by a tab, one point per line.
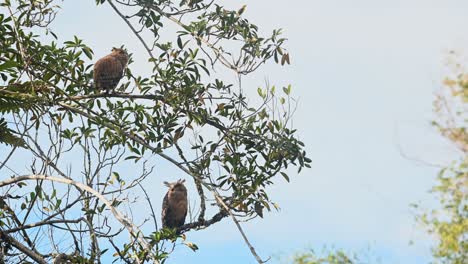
24	249
252	249
41	223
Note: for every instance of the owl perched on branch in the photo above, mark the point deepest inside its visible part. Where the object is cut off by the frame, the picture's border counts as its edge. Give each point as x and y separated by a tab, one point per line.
174	207
110	69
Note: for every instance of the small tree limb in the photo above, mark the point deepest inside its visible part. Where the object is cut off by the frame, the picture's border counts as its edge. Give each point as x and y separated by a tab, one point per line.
21	247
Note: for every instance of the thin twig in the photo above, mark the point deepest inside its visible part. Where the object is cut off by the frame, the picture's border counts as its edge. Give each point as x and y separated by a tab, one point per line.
252	249
41	223
133	30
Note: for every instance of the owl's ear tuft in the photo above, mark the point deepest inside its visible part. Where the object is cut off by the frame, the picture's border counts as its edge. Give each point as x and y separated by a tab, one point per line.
167	184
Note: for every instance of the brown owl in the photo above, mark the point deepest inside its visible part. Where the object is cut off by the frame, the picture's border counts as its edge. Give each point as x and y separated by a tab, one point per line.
174	207
109	70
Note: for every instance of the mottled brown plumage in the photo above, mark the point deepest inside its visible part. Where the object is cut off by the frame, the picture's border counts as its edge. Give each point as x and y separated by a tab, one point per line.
174	207
109	70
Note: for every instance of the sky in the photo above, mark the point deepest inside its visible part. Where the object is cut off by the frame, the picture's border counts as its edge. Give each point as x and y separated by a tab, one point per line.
364	74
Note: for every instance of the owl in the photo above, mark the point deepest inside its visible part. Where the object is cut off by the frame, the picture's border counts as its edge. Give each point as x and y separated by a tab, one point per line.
174	207
109	70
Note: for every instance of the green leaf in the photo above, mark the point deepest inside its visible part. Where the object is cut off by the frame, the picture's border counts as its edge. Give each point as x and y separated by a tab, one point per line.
8	65
179	43
285	176
8	137
88	52
287	90
259	209
191	245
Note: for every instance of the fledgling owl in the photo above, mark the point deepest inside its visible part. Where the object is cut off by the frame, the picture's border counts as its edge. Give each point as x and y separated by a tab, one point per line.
174	207
109	70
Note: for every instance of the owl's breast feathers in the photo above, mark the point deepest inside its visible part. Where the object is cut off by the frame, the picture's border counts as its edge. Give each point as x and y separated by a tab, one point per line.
174	210
107	72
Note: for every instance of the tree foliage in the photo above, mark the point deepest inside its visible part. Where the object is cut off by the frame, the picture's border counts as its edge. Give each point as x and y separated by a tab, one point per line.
450	222
327	257
232	149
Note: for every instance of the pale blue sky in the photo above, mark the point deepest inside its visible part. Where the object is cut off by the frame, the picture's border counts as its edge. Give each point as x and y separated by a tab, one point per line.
364	73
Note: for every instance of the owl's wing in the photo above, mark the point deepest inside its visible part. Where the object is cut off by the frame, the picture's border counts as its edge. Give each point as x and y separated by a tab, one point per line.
165	213
184	211
107	73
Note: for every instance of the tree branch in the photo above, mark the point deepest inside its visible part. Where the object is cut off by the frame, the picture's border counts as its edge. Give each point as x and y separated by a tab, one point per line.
132	229
252	249
24	249
203	223
41	223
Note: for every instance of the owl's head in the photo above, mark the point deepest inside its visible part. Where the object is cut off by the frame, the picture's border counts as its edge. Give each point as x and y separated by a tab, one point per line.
121	54
176	187
119	51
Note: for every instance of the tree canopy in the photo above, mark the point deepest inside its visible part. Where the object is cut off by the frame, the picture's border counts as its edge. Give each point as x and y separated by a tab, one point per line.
232	148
